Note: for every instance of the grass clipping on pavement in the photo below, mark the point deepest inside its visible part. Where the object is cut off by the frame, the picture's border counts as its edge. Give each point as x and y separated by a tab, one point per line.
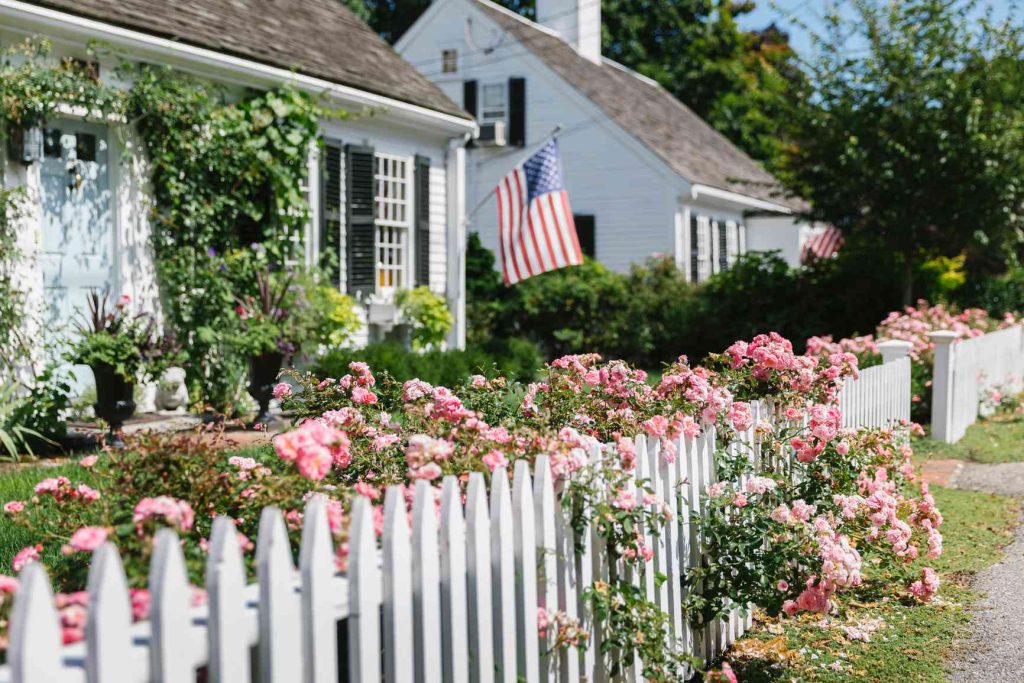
883	639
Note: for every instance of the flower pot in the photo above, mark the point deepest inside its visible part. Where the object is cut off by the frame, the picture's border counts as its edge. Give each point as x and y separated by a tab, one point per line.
263	371
115	400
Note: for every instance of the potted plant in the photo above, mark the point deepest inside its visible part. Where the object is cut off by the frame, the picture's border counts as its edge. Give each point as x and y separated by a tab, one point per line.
121	349
267	333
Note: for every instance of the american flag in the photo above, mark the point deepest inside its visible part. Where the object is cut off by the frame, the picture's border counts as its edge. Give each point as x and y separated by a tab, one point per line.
823	245
536	232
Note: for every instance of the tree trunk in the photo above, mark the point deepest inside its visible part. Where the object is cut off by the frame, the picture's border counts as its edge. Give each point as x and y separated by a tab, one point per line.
908	282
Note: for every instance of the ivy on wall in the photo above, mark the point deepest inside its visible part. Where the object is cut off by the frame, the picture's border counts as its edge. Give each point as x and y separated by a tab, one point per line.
226	174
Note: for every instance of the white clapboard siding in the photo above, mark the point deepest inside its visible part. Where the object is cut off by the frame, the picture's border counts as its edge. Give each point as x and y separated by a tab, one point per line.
446	593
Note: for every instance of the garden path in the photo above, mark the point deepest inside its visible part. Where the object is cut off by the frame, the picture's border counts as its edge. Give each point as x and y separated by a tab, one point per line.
993	652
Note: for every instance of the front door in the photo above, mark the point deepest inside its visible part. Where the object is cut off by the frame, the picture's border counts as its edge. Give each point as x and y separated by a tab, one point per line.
78	221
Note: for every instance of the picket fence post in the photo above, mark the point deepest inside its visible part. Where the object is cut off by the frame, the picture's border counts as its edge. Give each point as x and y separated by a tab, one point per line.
364	596
170	640
942	385
454	612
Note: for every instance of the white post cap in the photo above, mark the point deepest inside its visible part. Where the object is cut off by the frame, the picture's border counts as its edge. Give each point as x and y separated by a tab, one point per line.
894	349
943	336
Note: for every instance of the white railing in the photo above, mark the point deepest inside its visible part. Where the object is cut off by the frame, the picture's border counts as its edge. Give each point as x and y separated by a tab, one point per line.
880	396
454	598
966	370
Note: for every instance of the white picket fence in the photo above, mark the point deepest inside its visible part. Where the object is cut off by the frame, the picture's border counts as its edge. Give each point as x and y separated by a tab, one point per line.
448	596
880	396
966	370
453	598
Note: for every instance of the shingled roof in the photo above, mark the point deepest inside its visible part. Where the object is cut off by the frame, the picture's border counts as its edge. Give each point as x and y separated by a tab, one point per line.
319	38
648	112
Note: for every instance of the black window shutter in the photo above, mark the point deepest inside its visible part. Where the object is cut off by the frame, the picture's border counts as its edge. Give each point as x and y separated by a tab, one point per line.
517	112
723	241
422	220
330	210
585	231
361	210
469	97
694	250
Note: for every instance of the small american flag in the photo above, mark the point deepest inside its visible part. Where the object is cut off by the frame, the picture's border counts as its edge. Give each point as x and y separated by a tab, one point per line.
823	245
536	232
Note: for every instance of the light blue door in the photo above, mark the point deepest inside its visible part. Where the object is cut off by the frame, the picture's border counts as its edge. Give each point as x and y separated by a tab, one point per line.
78	221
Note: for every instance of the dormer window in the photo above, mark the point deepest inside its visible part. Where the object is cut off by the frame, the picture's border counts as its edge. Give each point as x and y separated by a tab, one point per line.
493	103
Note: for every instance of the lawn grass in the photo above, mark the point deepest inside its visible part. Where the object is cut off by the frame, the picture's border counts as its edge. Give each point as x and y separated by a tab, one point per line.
999	438
915	641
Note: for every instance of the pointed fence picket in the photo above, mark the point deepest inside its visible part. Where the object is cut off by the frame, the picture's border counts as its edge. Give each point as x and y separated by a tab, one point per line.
446	592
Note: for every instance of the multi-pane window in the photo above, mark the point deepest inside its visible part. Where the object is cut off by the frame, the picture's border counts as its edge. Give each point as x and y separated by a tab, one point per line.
393	194
493	102
714	245
449	61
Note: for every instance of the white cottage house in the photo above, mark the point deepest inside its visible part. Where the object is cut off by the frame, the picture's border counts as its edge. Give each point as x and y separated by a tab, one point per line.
645	174
388	191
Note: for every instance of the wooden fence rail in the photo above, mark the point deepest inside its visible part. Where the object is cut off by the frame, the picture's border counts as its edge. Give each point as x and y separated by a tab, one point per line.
449	592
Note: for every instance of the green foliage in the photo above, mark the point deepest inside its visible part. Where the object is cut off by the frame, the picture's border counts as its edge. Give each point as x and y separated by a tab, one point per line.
916	138
14	348
226	178
517	359
127	343
652	315
428	313
335	316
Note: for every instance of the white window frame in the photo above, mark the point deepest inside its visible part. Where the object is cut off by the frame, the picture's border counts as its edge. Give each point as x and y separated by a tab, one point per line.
393	248
732	242
492	113
704	248
449	60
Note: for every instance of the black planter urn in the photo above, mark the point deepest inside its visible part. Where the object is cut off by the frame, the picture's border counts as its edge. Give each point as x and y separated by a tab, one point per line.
263	371
115	400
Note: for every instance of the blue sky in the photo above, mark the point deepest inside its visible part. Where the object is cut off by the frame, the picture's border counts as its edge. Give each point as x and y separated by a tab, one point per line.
809	12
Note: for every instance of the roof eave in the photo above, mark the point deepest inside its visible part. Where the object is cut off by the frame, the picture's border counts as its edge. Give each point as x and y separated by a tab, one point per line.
697	190
220	66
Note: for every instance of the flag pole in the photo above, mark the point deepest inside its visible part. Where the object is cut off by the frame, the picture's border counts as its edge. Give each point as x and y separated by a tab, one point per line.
479	205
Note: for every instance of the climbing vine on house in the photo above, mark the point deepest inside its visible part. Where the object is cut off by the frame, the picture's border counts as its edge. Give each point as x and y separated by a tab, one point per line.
226	170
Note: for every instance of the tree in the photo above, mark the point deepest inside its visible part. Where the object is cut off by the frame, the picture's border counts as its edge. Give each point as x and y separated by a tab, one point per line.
914	132
736	80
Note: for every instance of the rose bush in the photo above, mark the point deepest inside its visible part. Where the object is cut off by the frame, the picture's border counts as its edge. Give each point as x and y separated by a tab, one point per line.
800	514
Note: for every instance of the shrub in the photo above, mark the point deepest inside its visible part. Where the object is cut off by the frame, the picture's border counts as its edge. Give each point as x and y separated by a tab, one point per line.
514	358
428	314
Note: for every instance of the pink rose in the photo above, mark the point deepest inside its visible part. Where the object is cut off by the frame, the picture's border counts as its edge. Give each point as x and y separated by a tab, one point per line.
656	426
495	459
26	555
14	507
363	396
85	540
88	461
282	390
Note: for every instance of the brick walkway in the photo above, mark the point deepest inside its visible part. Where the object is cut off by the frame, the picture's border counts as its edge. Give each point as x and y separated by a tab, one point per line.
941	472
